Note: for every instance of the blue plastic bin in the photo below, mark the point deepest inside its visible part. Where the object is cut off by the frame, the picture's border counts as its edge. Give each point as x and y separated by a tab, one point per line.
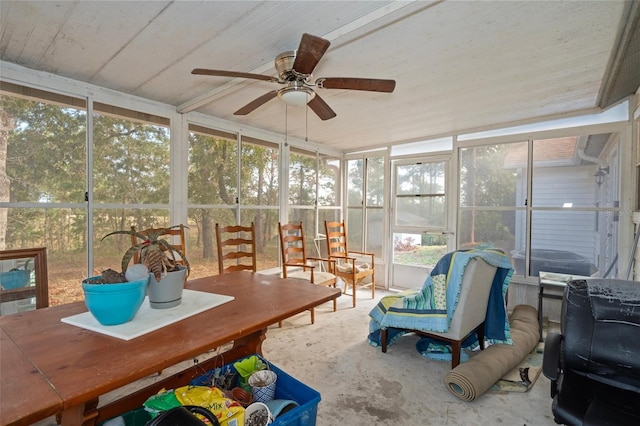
287	387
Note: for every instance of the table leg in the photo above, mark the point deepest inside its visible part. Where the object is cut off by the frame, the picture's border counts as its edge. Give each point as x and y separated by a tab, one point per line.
540	296
252	341
85	415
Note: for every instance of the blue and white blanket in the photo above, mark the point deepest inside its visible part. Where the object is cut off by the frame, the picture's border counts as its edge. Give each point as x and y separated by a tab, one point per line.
431	307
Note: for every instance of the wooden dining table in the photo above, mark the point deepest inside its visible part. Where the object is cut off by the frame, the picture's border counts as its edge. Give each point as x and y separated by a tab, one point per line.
49	367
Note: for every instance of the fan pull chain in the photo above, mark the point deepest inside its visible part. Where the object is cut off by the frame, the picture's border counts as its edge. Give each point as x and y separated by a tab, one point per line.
286	124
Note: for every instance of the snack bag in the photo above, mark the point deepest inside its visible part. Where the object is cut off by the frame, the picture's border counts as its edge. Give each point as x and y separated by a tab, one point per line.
228	411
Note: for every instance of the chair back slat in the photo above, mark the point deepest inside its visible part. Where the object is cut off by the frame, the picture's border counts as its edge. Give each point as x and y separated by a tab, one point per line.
237	250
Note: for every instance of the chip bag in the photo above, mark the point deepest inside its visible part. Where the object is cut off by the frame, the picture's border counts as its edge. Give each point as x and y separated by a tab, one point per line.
228	411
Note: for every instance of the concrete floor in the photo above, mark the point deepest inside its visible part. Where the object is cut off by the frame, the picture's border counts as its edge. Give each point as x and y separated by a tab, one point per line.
359	385
362	386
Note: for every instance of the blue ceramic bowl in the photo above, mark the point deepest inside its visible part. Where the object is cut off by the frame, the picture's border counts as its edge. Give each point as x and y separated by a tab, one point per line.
14	279
113	304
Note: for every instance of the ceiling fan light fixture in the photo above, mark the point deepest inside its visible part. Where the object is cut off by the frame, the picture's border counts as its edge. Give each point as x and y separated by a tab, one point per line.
296	95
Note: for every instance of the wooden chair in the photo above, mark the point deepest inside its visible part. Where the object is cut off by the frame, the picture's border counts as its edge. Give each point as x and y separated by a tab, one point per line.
470	312
178	231
21	264
239	249
352	266
294	254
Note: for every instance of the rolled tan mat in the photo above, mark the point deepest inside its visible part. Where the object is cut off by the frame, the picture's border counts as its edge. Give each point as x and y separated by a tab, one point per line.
471	379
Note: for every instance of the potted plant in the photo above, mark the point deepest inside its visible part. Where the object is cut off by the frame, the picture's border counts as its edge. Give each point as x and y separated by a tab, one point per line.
166	274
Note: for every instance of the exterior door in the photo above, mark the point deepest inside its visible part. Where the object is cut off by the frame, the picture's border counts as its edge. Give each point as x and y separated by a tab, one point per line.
420	225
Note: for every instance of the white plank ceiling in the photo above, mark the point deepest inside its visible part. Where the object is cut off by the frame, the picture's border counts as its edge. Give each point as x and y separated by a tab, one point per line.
459	65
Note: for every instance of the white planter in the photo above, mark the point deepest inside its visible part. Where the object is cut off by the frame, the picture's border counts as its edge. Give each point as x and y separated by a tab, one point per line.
168	292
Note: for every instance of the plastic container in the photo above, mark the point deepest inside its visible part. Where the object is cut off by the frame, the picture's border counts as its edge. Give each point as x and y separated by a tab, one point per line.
559	261
113	304
287	388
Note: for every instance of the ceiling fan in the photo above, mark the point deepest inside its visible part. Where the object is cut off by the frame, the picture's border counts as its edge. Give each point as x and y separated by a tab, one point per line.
294	71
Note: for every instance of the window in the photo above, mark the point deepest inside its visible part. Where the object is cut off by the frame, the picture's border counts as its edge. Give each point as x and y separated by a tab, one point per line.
42	194
365	204
259	192
213	191
561	217
230	188
489	185
131	177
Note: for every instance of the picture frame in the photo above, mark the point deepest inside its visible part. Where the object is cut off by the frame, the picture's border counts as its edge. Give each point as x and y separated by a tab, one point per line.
23	275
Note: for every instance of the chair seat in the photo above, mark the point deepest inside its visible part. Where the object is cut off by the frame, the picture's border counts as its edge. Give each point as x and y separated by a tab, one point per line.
347	269
318	276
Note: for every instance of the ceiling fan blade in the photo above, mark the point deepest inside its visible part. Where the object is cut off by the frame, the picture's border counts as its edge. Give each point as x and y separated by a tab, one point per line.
320	107
222	73
309	52
256	103
368	84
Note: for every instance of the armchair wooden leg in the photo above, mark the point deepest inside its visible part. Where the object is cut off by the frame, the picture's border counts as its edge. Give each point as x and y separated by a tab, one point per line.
383	339
456	347
480	333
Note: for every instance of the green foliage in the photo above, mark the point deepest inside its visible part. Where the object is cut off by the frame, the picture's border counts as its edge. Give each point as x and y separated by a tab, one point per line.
426	256
485	182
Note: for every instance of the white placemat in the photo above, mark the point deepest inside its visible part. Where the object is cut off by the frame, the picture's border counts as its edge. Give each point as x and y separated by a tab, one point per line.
148	319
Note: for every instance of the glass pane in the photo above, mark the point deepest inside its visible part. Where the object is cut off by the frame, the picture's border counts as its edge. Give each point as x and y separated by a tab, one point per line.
329	181
375	182
355	183
568	242
418	249
375	224
46	157
213	168
63	232
569	172
131	161
421	211
259	174
493	175
421	179
354	229
302	179
494	228
266	224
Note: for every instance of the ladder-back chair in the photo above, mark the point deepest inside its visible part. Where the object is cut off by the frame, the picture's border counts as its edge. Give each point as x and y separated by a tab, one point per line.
237	251
294	254
352	266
